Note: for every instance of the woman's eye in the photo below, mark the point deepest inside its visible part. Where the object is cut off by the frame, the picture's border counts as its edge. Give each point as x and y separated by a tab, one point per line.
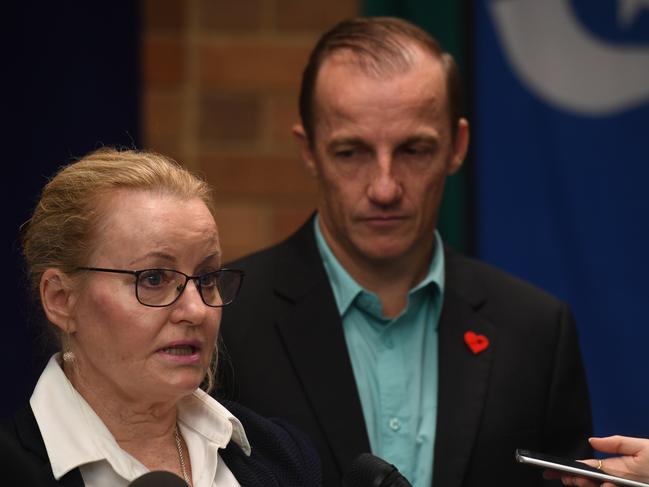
153	278
208	280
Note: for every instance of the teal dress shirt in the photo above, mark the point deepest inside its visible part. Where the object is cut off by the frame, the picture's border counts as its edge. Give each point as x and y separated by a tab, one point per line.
394	362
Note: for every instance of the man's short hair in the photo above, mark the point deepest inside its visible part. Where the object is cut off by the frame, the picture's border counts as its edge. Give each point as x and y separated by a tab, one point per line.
381	46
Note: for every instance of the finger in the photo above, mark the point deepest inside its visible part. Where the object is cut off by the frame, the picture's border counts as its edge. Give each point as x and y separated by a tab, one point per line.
591	462
567	480
619	445
578	481
551	474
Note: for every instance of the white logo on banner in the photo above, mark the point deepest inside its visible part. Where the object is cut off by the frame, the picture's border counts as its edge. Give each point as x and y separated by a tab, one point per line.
628	10
563	63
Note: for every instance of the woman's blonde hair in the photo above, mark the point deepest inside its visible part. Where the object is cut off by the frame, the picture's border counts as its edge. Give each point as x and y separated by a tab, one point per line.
61	231
64	226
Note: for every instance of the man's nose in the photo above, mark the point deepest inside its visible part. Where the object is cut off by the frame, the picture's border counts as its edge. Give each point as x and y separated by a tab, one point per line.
384	188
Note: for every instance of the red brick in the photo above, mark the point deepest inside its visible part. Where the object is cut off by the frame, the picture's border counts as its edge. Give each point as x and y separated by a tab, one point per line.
283	115
243	229
164	16
261	178
226	118
228	15
163	63
162	116
298	15
253	64
170	148
287	220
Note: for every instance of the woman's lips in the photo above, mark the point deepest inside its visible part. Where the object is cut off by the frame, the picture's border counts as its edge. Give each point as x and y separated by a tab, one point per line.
182	352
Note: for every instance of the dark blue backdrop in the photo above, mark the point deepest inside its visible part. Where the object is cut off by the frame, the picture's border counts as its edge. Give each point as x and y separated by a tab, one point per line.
72	76
562	152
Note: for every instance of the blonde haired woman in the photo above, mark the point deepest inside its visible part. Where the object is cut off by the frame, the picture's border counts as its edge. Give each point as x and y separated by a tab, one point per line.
123	254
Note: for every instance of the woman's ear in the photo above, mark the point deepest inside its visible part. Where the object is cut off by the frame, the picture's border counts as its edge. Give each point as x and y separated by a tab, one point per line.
56	292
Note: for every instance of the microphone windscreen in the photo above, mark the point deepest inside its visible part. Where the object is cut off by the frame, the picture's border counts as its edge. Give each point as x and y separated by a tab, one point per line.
158	478
368	470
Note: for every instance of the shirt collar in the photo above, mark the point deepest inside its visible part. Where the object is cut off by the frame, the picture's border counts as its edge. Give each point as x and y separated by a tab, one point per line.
65	420
346	289
211	420
74	435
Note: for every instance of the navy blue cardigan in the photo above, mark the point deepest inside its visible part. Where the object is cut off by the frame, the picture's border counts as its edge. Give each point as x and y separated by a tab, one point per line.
281	455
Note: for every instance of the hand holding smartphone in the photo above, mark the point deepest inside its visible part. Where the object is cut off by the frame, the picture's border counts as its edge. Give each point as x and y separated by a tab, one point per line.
574	467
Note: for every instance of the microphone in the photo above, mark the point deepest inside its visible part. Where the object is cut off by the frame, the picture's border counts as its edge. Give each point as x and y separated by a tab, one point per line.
368	470
158	478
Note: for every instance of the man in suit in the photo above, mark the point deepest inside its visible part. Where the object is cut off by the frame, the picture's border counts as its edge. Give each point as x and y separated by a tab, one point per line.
362	328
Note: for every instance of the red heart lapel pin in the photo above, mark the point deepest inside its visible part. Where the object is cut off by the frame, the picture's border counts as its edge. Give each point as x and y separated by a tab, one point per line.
476	343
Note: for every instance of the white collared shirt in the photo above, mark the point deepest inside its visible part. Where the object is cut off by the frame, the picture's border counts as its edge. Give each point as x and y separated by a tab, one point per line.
75	436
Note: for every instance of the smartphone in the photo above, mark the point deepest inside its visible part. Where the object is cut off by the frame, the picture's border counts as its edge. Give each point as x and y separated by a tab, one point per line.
578	468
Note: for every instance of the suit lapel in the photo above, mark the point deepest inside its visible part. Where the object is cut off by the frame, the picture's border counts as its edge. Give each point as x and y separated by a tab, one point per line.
463	377
316	346
30	437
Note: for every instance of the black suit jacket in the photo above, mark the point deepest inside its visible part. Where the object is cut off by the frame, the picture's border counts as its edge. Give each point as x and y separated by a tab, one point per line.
281	455
285	355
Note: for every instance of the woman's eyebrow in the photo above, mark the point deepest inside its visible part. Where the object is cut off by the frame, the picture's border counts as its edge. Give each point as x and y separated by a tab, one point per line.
164	256
213	256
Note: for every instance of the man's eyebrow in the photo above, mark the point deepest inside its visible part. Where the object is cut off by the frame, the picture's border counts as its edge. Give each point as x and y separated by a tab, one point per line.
345	141
427	138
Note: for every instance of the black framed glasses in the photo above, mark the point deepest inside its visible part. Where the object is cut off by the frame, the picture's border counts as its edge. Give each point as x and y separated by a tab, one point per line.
162	287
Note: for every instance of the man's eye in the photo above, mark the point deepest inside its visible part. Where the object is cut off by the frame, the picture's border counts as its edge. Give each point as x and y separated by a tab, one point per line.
414	150
352	154
345	154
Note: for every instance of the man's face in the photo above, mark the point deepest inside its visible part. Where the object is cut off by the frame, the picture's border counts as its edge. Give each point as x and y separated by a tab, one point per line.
381	152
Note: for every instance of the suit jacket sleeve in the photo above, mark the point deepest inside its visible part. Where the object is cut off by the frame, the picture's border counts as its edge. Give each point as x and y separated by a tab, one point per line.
568	419
526	390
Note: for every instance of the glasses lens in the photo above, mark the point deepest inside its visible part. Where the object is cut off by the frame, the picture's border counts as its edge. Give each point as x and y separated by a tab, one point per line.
159	287
219	288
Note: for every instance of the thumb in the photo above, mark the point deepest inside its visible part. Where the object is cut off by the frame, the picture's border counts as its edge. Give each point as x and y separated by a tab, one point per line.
618	445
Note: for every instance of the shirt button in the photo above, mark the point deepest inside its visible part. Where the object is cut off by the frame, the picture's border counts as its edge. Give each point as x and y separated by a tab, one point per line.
394	424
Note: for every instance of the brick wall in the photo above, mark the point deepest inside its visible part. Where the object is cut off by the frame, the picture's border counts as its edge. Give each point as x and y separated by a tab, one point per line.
220	86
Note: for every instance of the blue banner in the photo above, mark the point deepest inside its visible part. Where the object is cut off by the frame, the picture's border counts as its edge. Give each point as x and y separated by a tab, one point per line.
561	146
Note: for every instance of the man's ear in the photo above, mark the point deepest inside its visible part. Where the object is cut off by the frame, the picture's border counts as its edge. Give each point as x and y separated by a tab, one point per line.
306	153
460	146
57	298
